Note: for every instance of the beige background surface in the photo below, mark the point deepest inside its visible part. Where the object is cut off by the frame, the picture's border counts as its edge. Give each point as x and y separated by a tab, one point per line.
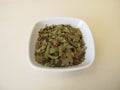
16	21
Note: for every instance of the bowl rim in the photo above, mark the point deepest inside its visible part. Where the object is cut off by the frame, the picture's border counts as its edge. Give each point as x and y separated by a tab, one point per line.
57	69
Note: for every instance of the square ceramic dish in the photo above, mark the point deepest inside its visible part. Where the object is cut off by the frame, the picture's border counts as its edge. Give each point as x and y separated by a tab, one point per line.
87	36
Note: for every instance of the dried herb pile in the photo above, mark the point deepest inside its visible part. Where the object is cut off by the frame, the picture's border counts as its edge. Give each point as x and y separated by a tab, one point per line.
60	46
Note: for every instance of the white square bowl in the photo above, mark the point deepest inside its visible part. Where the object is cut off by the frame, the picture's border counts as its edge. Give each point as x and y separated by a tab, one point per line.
87	36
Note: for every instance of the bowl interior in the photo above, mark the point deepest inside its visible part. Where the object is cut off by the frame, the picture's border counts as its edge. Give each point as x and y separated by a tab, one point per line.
87	36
